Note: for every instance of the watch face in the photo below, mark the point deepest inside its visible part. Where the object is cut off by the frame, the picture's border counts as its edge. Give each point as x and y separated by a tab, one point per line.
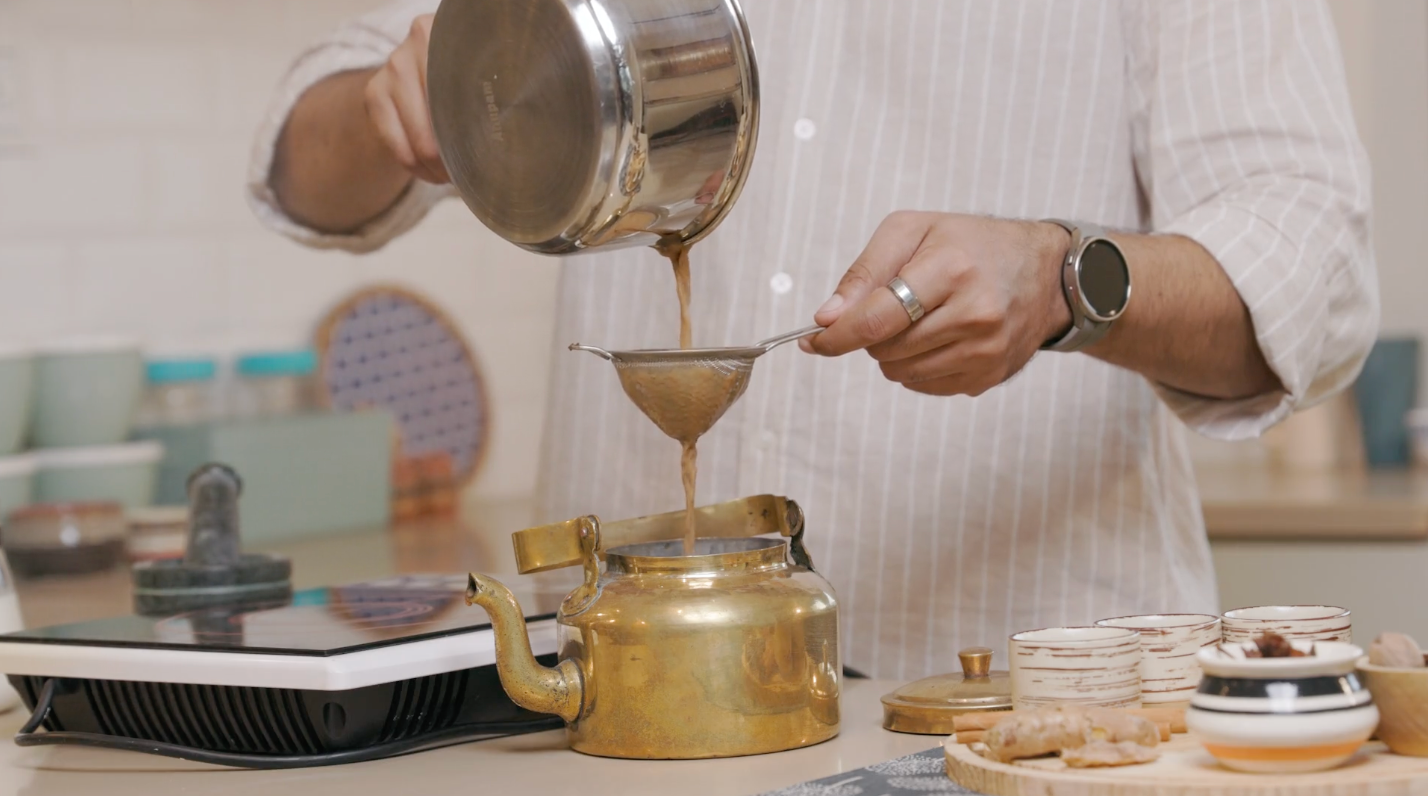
1105	280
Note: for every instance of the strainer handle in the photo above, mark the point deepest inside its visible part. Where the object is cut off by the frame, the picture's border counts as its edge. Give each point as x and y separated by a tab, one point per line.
787	337
599	352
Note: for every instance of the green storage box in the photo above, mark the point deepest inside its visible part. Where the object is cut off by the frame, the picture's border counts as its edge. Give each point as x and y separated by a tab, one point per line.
303	475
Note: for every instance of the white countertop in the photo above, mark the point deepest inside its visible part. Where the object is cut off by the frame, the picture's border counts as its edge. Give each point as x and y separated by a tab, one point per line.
538	763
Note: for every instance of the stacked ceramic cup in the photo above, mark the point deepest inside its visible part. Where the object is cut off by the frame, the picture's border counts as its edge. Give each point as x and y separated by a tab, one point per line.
74	403
1122	662
86	394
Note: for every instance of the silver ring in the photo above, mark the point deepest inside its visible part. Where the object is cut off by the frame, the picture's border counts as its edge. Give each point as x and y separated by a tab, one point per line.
909	300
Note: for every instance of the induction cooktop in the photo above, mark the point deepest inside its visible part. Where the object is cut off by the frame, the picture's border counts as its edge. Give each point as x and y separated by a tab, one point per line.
336	675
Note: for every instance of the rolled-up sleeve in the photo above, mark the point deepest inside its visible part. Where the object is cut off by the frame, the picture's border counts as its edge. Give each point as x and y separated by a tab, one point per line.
363	43
1245	143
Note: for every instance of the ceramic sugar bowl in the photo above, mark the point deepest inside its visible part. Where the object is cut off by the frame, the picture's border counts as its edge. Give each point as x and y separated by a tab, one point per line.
1281	715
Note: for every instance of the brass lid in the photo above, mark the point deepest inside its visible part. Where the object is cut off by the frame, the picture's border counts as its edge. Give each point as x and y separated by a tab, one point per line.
927	706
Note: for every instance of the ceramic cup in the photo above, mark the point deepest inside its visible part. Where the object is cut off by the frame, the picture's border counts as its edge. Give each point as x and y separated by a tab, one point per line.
1168	644
16	391
17	484
1281	715
1089	666
1294	622
124	473
86	392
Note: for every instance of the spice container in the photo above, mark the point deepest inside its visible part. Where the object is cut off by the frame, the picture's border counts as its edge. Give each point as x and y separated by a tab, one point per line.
274	383
65	538
180	392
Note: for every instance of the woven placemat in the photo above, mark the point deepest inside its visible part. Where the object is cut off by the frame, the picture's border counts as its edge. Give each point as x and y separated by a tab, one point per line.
390	348
920	773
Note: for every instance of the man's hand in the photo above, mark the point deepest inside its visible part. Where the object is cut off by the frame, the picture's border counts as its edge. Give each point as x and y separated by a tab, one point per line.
397	108
991	290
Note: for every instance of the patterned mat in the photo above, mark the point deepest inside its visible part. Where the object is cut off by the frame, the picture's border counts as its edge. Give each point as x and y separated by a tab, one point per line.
389	348
921	773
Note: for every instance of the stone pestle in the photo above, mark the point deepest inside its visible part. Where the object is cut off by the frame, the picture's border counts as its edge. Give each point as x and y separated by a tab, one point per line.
214	571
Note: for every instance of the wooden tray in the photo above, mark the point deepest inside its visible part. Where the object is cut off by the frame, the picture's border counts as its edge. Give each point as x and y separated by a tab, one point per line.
1186	769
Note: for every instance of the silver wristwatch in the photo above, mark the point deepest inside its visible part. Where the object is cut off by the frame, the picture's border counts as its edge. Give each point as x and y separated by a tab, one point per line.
1096	282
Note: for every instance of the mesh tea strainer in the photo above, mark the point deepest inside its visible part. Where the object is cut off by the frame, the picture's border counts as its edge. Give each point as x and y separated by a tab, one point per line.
686	391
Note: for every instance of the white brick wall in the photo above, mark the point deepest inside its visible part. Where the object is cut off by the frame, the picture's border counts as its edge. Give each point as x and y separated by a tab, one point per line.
122	209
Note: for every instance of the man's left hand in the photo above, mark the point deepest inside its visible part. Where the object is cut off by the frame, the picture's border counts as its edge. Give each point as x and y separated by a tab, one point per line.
991	290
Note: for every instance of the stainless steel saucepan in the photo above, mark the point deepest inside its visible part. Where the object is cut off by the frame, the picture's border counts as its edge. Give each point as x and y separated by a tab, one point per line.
568	124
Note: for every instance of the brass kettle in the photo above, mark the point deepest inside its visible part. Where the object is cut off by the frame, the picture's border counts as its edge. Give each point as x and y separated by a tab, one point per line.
730	651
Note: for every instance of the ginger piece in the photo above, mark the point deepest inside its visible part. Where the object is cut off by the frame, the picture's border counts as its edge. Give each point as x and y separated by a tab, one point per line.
1103	754
1395	650
1061	727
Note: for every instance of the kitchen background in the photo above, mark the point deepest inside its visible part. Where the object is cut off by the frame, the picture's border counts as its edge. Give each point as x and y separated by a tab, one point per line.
125	127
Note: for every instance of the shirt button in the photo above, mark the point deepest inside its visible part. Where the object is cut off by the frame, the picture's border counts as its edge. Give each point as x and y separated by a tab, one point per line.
768	439
804	129
781	283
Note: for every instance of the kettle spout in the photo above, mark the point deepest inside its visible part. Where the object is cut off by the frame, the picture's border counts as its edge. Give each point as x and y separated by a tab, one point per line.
559	690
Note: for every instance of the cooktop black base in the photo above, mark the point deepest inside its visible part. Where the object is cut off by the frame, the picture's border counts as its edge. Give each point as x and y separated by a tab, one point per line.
275	727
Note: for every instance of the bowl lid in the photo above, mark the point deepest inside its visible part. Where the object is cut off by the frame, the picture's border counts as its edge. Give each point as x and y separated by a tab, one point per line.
175	370
298	362
76	509
1328	658
928	706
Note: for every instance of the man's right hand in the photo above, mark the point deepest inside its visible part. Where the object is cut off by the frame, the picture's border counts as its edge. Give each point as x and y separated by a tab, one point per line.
397	107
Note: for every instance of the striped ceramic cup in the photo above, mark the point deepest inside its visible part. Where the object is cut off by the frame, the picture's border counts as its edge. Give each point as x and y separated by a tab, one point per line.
1168	644
1090	666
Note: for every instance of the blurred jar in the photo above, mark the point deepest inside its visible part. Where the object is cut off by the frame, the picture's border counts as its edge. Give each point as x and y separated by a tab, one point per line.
275	383
65	538
180	392
157	532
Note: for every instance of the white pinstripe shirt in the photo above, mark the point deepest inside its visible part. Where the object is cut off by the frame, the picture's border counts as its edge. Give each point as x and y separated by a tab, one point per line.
1065	495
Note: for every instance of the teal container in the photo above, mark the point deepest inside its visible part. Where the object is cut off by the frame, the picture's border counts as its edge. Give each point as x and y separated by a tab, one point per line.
126	474
1385	391
303	475
17	387
17	483
86	393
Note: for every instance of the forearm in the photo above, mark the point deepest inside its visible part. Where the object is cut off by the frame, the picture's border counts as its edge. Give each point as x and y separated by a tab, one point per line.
1185	327
330	171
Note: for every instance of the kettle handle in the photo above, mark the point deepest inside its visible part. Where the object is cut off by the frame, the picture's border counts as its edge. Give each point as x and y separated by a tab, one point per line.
796	550
558	545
